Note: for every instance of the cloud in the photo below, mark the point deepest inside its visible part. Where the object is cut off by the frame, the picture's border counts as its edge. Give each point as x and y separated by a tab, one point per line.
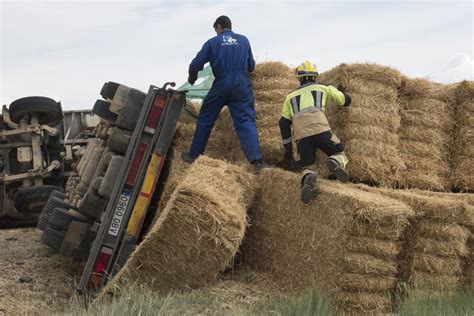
460	67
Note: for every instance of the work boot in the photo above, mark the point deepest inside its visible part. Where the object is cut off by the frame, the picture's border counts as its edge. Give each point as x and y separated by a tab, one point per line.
335	167
258	165
307	189
186	157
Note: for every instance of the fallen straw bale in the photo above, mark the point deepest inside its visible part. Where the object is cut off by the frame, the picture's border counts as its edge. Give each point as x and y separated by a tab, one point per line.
437	265
318	244
197	234
441	248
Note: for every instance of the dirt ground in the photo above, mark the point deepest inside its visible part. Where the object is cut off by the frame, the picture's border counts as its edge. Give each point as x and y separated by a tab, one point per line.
33	278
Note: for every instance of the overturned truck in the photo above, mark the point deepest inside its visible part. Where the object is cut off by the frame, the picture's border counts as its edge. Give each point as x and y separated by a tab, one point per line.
99	217
37	145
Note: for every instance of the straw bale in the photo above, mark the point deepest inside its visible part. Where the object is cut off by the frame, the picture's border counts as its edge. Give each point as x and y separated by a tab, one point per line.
435	264
427	105
364	302
283	82
271	69
420	149
372	283
415	88
442	248
355	117
365	71
274	95
465	91
431	136
372	88
197	234
424	280
383	249
372	133
368	264
376	231
306	245
441	230
416	117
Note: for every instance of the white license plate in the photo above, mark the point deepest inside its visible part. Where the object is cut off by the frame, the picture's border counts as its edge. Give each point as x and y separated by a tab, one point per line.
114	228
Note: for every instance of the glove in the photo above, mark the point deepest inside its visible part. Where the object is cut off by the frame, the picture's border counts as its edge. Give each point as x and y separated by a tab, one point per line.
341	87
192	80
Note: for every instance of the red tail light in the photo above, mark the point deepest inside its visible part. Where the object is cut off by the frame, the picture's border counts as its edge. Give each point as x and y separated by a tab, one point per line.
100	266
155	113
132	174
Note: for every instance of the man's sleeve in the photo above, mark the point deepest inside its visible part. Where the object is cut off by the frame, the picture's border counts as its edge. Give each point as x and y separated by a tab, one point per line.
336	96
286	110
200	60
251	66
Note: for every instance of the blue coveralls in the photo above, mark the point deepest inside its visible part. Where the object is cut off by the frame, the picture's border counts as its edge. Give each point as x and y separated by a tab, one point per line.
231	60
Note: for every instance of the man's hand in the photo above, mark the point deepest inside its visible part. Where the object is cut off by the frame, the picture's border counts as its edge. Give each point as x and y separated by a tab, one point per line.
192	80
341	87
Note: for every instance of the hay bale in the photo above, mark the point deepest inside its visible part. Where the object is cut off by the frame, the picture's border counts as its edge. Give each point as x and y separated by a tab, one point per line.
369	126
441	248
364	302
427	122
437	265
197	234
463	155
314	245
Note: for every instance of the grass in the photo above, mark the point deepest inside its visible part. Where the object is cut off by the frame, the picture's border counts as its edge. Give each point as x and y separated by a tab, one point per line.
139	301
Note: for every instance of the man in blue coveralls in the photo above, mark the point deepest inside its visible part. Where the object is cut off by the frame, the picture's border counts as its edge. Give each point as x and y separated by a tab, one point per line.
231	60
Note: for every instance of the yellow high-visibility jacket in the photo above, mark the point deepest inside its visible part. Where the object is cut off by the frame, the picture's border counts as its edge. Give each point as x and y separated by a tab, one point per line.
305	107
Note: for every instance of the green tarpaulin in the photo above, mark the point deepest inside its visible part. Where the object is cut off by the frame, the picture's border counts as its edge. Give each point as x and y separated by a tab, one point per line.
201	87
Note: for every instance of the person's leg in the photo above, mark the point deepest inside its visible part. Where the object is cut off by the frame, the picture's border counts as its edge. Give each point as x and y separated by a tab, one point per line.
337	159
241	106
307	151
210	109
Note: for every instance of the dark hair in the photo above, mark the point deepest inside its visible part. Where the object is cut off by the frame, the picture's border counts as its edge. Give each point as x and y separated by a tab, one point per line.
224	22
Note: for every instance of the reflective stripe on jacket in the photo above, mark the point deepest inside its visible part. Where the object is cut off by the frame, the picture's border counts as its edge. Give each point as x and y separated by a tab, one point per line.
305	108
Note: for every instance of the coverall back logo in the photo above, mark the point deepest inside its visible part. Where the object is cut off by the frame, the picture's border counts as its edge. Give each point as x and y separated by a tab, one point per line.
229	40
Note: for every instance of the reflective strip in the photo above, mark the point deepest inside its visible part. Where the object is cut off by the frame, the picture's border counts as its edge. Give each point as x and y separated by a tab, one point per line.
294	104
287	141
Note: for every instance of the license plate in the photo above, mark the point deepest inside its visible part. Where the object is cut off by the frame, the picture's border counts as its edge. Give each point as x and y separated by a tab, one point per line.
120	209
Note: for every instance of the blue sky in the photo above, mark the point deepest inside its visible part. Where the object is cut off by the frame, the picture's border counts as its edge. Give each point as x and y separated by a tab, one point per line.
68	49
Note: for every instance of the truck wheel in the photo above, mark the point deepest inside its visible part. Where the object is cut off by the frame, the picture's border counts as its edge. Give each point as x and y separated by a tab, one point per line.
92	205
53	238
43	219
33	199
49	111
129	114
61	218
110	177
108	90
101	108
119	140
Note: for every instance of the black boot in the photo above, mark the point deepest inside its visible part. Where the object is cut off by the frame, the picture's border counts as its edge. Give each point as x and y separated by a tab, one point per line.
258	165
186	157
335	167
307	189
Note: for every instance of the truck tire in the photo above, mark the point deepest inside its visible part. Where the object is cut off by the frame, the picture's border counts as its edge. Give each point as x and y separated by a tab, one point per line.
110	177
128	116
92	205
43	219
119	140
33	199
49	111
108	90
61	218
53	238
101	108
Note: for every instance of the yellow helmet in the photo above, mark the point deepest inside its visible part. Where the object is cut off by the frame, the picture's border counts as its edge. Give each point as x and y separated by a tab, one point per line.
306	69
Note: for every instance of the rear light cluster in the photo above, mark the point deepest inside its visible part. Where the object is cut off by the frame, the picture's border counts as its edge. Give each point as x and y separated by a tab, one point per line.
155	113
100	266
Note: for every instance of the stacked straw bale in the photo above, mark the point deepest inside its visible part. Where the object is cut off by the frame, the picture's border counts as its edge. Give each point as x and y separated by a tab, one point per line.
272	81
370	125
436	245
426	133
345	242
463	148
197	234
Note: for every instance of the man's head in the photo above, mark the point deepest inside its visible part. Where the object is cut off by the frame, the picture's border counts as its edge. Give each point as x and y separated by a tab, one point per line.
223	22
307	71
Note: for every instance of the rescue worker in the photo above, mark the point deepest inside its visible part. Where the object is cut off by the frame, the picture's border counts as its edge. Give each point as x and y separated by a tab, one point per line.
303	110
231	59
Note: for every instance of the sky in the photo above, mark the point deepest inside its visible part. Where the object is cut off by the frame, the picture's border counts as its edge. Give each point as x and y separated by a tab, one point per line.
66	50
